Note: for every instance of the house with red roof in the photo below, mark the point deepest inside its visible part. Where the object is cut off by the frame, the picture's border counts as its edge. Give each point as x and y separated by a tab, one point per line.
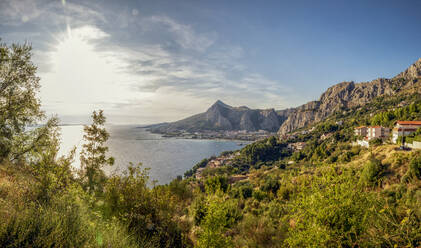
361	131
404	128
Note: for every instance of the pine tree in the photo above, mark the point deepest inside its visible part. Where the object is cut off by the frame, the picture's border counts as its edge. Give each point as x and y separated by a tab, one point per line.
93	156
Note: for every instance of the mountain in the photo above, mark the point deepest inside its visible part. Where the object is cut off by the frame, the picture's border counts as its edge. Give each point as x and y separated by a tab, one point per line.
342	96
349	94
222	117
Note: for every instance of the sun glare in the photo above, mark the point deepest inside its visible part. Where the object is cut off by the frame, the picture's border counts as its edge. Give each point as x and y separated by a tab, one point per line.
82	74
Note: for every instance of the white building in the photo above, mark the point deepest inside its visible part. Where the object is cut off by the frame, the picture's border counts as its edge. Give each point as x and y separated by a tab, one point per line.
403	128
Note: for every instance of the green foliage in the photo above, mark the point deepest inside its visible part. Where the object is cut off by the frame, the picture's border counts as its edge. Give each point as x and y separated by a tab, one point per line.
19	106
414	170
269	149
142	210
198	209
376	142
246	191
388	118
331	213
259	231
372	172
214	184
193	170
221	214
44	227
270	185
93	155
327	127
259	195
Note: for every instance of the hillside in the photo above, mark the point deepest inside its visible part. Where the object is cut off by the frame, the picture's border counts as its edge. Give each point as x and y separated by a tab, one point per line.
222	117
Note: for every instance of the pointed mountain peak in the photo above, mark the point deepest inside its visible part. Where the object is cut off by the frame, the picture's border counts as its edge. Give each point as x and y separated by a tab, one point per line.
220	103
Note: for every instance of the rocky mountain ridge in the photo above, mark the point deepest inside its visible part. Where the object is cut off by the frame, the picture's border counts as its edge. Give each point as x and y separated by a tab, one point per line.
349	94
342	96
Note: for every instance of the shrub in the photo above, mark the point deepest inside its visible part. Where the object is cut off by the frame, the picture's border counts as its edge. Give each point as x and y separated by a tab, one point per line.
371	172
220	215
414	170
259	195
270	185
216	183
332	212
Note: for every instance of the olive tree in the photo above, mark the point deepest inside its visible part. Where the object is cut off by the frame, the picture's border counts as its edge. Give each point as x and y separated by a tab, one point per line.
19	104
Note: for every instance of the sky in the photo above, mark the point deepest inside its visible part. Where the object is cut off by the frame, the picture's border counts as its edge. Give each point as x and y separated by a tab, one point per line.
154	61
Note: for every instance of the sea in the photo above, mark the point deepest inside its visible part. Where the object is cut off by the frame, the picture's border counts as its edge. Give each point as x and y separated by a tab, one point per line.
166	157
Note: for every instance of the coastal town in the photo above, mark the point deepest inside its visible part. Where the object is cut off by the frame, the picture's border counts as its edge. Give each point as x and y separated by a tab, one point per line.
401	134
229	135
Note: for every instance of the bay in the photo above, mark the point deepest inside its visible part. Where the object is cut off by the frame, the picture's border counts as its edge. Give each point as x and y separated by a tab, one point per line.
166	157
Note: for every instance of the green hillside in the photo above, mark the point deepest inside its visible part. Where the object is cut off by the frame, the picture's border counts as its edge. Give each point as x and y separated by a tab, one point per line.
329	194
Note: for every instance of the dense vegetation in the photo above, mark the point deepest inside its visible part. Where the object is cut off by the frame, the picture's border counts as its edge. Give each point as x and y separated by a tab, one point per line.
329	194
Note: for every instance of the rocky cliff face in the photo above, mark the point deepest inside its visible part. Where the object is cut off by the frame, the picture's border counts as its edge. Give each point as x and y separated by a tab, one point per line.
414	71
349	94
221	117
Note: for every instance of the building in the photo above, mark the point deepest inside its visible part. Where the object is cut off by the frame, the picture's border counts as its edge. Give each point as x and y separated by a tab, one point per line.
403	128
372	132
377	132
296	146
361	131
326	136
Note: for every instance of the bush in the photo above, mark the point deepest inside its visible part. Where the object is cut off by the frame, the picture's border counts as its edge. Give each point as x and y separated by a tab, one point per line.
372	172
259	195
332	212
216	183
376	142
414	170
270	185
65	223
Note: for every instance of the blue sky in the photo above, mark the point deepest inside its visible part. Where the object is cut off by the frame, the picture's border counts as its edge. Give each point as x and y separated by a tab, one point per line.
153	61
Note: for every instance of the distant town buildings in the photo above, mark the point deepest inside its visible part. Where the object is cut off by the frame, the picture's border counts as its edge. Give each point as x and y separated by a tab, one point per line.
298	146
404	128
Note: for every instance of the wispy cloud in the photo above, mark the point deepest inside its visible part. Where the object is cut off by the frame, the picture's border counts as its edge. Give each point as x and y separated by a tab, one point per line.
184	35
128	63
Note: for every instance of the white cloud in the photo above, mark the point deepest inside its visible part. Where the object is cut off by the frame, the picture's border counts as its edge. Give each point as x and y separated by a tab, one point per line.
130	74
17	12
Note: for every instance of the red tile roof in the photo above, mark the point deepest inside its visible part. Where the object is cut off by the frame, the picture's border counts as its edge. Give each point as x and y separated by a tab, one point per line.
409	122
360	127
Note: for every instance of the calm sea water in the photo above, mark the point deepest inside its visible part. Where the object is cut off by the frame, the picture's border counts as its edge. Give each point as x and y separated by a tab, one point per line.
166	157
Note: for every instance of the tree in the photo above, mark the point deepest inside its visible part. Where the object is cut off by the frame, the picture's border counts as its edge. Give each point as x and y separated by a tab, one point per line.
19	106
93	156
